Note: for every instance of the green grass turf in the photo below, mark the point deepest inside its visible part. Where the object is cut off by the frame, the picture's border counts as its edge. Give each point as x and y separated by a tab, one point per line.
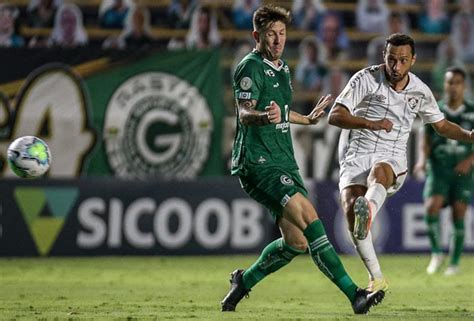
190	288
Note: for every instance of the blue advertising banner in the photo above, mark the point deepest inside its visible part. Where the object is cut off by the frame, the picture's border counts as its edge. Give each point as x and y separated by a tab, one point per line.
102	216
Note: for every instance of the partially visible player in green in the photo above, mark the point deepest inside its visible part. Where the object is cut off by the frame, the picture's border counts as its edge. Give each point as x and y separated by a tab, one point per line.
449	168
263	159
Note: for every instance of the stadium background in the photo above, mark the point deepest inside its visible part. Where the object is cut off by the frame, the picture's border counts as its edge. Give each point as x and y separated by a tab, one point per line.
141	139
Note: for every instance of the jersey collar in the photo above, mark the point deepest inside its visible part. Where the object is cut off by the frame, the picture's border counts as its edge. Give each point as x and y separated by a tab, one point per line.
268	62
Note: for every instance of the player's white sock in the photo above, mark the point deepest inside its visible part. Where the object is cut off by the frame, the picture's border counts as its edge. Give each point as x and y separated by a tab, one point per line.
366	251
376	195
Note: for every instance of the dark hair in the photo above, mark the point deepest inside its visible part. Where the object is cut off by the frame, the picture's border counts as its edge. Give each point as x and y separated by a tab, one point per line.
400	39
265	16
457	70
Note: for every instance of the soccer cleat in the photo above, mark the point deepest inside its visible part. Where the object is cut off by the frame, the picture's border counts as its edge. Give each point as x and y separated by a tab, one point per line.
364	300
236	293
378	285
435	263
451	270
363	218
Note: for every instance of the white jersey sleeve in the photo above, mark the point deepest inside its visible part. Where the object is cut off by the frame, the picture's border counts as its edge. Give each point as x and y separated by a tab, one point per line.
429	111
355	91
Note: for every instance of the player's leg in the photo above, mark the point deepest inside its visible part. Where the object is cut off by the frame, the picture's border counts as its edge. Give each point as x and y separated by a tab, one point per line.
300	212
433	205
380	178
457	243
277	254
269	189
435	194
364	247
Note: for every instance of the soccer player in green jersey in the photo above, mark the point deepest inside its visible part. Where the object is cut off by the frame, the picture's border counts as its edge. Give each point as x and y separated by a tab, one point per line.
449	172
263	159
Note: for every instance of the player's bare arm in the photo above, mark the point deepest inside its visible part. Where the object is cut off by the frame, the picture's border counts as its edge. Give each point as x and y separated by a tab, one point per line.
248	115
464	167
453	131
315	115
424	151
341	117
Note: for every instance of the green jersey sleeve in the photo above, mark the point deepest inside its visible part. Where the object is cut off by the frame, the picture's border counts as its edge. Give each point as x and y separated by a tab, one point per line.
248	80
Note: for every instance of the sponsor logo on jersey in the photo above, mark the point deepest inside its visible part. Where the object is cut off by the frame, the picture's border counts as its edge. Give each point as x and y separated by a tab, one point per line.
269	73
285	180
244	95
276	85
285	200
283	126
286	69
163	132
246	83
261	159
379	98
413	102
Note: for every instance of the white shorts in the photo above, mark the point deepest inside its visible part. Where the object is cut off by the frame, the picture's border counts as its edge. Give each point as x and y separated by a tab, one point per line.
355	170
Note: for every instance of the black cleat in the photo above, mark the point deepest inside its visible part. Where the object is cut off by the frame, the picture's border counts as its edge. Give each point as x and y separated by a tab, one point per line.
236	293
364	300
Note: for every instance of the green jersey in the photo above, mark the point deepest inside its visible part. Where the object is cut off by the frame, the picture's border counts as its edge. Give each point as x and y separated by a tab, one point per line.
268	145
447	153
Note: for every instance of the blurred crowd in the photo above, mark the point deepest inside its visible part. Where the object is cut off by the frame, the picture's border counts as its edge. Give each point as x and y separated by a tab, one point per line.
317	55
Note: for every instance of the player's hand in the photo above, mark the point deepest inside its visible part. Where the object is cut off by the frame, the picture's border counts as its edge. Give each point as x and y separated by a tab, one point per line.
273	113
318	110
419	170
463	167
383	124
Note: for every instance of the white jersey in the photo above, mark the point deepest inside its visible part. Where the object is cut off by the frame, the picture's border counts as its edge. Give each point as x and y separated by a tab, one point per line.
369	95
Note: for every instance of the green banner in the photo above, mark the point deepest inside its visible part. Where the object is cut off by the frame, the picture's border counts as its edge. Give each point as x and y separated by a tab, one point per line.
124	114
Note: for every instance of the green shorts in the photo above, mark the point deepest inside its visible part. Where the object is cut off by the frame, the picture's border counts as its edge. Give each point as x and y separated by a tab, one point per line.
453	187
272	187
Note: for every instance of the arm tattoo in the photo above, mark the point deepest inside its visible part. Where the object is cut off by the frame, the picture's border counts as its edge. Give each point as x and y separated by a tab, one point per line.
248	115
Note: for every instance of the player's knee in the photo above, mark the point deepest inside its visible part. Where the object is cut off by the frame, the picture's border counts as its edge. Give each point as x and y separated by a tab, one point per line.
299	244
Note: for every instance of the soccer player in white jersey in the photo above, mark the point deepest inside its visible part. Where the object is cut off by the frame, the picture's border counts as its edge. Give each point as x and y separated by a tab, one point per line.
376	110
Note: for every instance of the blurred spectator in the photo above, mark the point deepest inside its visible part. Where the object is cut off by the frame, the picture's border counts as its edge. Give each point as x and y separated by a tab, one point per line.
203	32
112	13
334	36
397	23
243	49
372	16
335	82
446	55
466	6
180	13
68	30
136	33
434	19
308	14
9	36
40	13
462	32
312	65
242	13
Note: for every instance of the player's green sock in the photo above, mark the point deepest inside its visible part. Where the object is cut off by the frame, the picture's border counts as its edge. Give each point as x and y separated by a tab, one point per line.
274	256
327	260
432	221
458	241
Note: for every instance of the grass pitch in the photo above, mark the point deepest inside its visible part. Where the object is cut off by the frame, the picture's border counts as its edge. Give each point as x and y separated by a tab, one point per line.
182	288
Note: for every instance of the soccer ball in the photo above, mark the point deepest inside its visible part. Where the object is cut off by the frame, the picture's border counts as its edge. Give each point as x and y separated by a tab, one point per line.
29	157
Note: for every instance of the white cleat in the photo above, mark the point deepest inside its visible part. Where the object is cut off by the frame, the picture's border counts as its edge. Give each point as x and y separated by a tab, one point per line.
435	263
451	270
